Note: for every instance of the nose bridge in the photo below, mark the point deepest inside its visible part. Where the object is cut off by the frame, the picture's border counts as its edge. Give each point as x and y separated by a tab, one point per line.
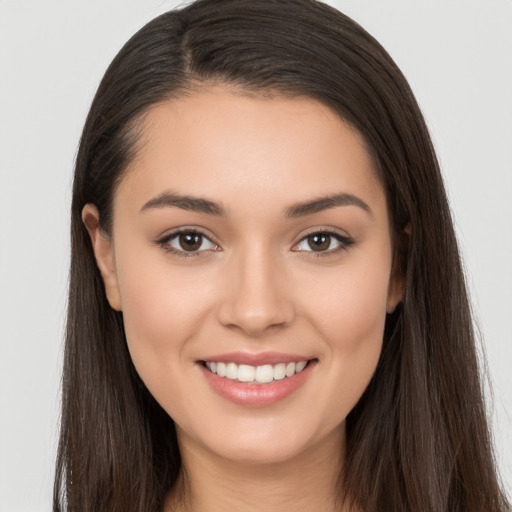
256	297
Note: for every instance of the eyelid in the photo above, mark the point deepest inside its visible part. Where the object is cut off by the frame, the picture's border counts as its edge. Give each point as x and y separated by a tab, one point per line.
345	242
164	240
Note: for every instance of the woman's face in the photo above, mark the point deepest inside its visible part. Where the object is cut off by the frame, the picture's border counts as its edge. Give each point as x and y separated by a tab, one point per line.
251	236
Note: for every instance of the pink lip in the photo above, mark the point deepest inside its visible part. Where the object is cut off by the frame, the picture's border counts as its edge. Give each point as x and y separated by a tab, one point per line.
257	395
255	359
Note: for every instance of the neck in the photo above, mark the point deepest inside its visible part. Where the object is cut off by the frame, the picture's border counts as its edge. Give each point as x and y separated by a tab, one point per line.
211	483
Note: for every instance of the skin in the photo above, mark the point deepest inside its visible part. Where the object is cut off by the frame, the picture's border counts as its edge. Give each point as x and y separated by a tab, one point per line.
257	286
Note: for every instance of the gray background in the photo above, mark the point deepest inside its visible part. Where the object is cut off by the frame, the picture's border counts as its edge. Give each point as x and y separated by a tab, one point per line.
457	57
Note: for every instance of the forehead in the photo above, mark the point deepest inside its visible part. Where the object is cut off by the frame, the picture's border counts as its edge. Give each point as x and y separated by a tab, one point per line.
221	143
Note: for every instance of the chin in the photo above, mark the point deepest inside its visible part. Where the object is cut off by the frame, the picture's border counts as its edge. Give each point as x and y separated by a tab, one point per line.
260	453
258	446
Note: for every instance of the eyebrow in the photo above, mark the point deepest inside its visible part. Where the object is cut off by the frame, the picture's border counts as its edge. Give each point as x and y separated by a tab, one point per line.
201	205
326	203
195	204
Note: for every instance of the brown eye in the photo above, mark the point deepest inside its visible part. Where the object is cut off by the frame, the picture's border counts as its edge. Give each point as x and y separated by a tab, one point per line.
190	241
323	242
319	242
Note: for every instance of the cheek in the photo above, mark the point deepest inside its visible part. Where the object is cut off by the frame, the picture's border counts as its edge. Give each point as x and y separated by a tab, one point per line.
162	312
350	306
349	312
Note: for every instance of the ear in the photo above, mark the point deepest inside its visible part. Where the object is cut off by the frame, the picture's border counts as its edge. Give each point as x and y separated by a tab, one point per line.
104	254
397	280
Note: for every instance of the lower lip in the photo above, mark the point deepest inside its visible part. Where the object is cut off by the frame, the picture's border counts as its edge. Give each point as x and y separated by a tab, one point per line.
256	395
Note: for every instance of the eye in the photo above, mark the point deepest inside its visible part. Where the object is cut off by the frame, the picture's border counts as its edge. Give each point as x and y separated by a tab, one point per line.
189	241
323	242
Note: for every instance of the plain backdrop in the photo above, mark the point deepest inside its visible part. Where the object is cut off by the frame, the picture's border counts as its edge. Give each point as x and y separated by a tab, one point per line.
457	55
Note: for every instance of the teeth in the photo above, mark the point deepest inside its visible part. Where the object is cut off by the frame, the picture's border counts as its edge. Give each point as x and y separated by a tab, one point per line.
221	369
256	374
246	373
264	373
232	371
300	366
279	371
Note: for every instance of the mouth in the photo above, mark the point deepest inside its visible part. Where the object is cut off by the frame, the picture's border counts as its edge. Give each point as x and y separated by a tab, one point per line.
262	374
256	380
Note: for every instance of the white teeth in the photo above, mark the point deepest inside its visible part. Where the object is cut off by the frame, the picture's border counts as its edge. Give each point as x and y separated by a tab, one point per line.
279	371
221	369
246	373
300	366
264	373
290	369
232	371
256	374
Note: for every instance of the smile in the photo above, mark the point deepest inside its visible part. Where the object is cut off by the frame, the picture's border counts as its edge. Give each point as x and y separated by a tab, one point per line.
263	374
256	380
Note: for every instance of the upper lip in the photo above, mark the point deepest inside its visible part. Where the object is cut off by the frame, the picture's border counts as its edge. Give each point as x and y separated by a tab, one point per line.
256	359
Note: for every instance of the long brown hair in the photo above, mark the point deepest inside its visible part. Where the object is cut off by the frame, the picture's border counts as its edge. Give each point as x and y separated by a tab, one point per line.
418	439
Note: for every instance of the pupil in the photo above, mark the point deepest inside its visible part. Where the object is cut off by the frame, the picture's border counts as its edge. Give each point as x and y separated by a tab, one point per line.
319	242
190	241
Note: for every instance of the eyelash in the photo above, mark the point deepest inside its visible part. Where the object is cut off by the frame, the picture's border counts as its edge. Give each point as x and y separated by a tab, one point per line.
344	243
164	243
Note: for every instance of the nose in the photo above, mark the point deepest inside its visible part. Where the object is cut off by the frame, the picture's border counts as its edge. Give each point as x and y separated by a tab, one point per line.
256	297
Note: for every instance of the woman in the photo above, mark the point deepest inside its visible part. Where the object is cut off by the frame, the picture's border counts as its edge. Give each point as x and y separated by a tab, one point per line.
266	302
